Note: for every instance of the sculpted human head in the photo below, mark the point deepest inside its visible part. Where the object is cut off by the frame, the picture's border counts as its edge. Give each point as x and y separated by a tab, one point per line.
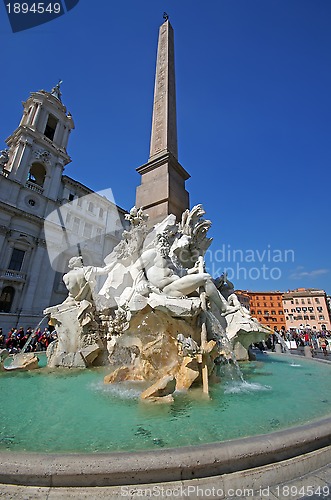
75	262
162	244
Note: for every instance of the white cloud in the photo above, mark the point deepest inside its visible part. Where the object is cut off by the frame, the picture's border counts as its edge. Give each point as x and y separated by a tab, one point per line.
300	273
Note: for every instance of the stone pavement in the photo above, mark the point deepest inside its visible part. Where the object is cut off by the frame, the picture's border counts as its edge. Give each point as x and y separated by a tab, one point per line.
313	486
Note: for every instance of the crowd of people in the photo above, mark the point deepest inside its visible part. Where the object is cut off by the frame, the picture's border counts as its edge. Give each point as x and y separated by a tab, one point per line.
16	339
38	340
317	340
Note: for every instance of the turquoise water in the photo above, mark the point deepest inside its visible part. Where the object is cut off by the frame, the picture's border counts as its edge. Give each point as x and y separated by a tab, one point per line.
73	411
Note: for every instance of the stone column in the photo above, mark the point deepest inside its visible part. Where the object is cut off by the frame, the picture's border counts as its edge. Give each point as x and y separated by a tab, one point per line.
20	168
53	186
39	287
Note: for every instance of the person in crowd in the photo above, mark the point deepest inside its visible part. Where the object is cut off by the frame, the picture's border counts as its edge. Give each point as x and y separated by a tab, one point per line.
323	344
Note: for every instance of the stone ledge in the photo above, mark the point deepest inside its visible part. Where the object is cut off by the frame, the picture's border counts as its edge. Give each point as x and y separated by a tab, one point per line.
310	469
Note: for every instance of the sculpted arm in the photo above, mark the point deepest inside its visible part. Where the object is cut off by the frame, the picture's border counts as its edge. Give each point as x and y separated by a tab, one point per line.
137	270
104	270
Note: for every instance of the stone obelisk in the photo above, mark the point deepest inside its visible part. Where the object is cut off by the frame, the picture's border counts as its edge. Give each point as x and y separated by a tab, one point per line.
162	190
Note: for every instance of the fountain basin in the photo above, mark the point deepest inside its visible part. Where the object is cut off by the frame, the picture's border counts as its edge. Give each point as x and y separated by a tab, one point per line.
169	464
182	464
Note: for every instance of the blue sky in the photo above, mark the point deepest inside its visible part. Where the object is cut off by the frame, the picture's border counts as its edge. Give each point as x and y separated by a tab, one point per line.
253	109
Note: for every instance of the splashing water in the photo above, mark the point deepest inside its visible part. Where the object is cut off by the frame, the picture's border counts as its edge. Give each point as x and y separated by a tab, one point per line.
231	365
128	390
20	357
27	343
245	387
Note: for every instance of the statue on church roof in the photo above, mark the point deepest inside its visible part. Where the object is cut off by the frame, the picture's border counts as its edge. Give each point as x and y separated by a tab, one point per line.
165	16
56	92
4	157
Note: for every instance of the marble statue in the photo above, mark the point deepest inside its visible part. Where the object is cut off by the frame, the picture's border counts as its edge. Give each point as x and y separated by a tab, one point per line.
155	271
79	342
56	92
159	316
4	157
80	283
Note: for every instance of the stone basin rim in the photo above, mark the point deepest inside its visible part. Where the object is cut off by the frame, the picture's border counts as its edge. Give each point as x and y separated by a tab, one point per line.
170	464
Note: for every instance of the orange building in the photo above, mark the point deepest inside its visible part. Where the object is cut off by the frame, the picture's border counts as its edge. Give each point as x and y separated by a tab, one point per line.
267	308
244	298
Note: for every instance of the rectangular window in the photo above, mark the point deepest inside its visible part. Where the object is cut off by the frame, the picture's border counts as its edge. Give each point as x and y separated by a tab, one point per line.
98	235
68	219
317	300
50	127
87	230
101	213
321	317
75	226
79	202
273	312
312	316
91	207
16	260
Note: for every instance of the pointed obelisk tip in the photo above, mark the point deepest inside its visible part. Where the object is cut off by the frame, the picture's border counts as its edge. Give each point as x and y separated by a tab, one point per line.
165	16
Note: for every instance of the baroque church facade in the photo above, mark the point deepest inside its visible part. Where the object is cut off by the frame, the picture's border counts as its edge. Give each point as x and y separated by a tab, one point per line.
34	189
47	217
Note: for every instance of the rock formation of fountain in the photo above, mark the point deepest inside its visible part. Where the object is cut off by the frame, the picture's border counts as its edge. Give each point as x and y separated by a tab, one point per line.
159	317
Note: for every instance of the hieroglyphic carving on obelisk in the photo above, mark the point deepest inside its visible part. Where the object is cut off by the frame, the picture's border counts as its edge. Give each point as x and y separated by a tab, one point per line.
164	123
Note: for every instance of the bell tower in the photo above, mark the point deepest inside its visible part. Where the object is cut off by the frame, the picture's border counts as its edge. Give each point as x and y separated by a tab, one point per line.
37	151
162	190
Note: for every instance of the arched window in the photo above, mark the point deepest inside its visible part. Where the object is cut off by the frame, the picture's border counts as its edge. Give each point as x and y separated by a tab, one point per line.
6	299
37	174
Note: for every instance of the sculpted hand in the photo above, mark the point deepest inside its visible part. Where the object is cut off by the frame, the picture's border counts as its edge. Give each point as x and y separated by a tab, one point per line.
194	269
142	288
